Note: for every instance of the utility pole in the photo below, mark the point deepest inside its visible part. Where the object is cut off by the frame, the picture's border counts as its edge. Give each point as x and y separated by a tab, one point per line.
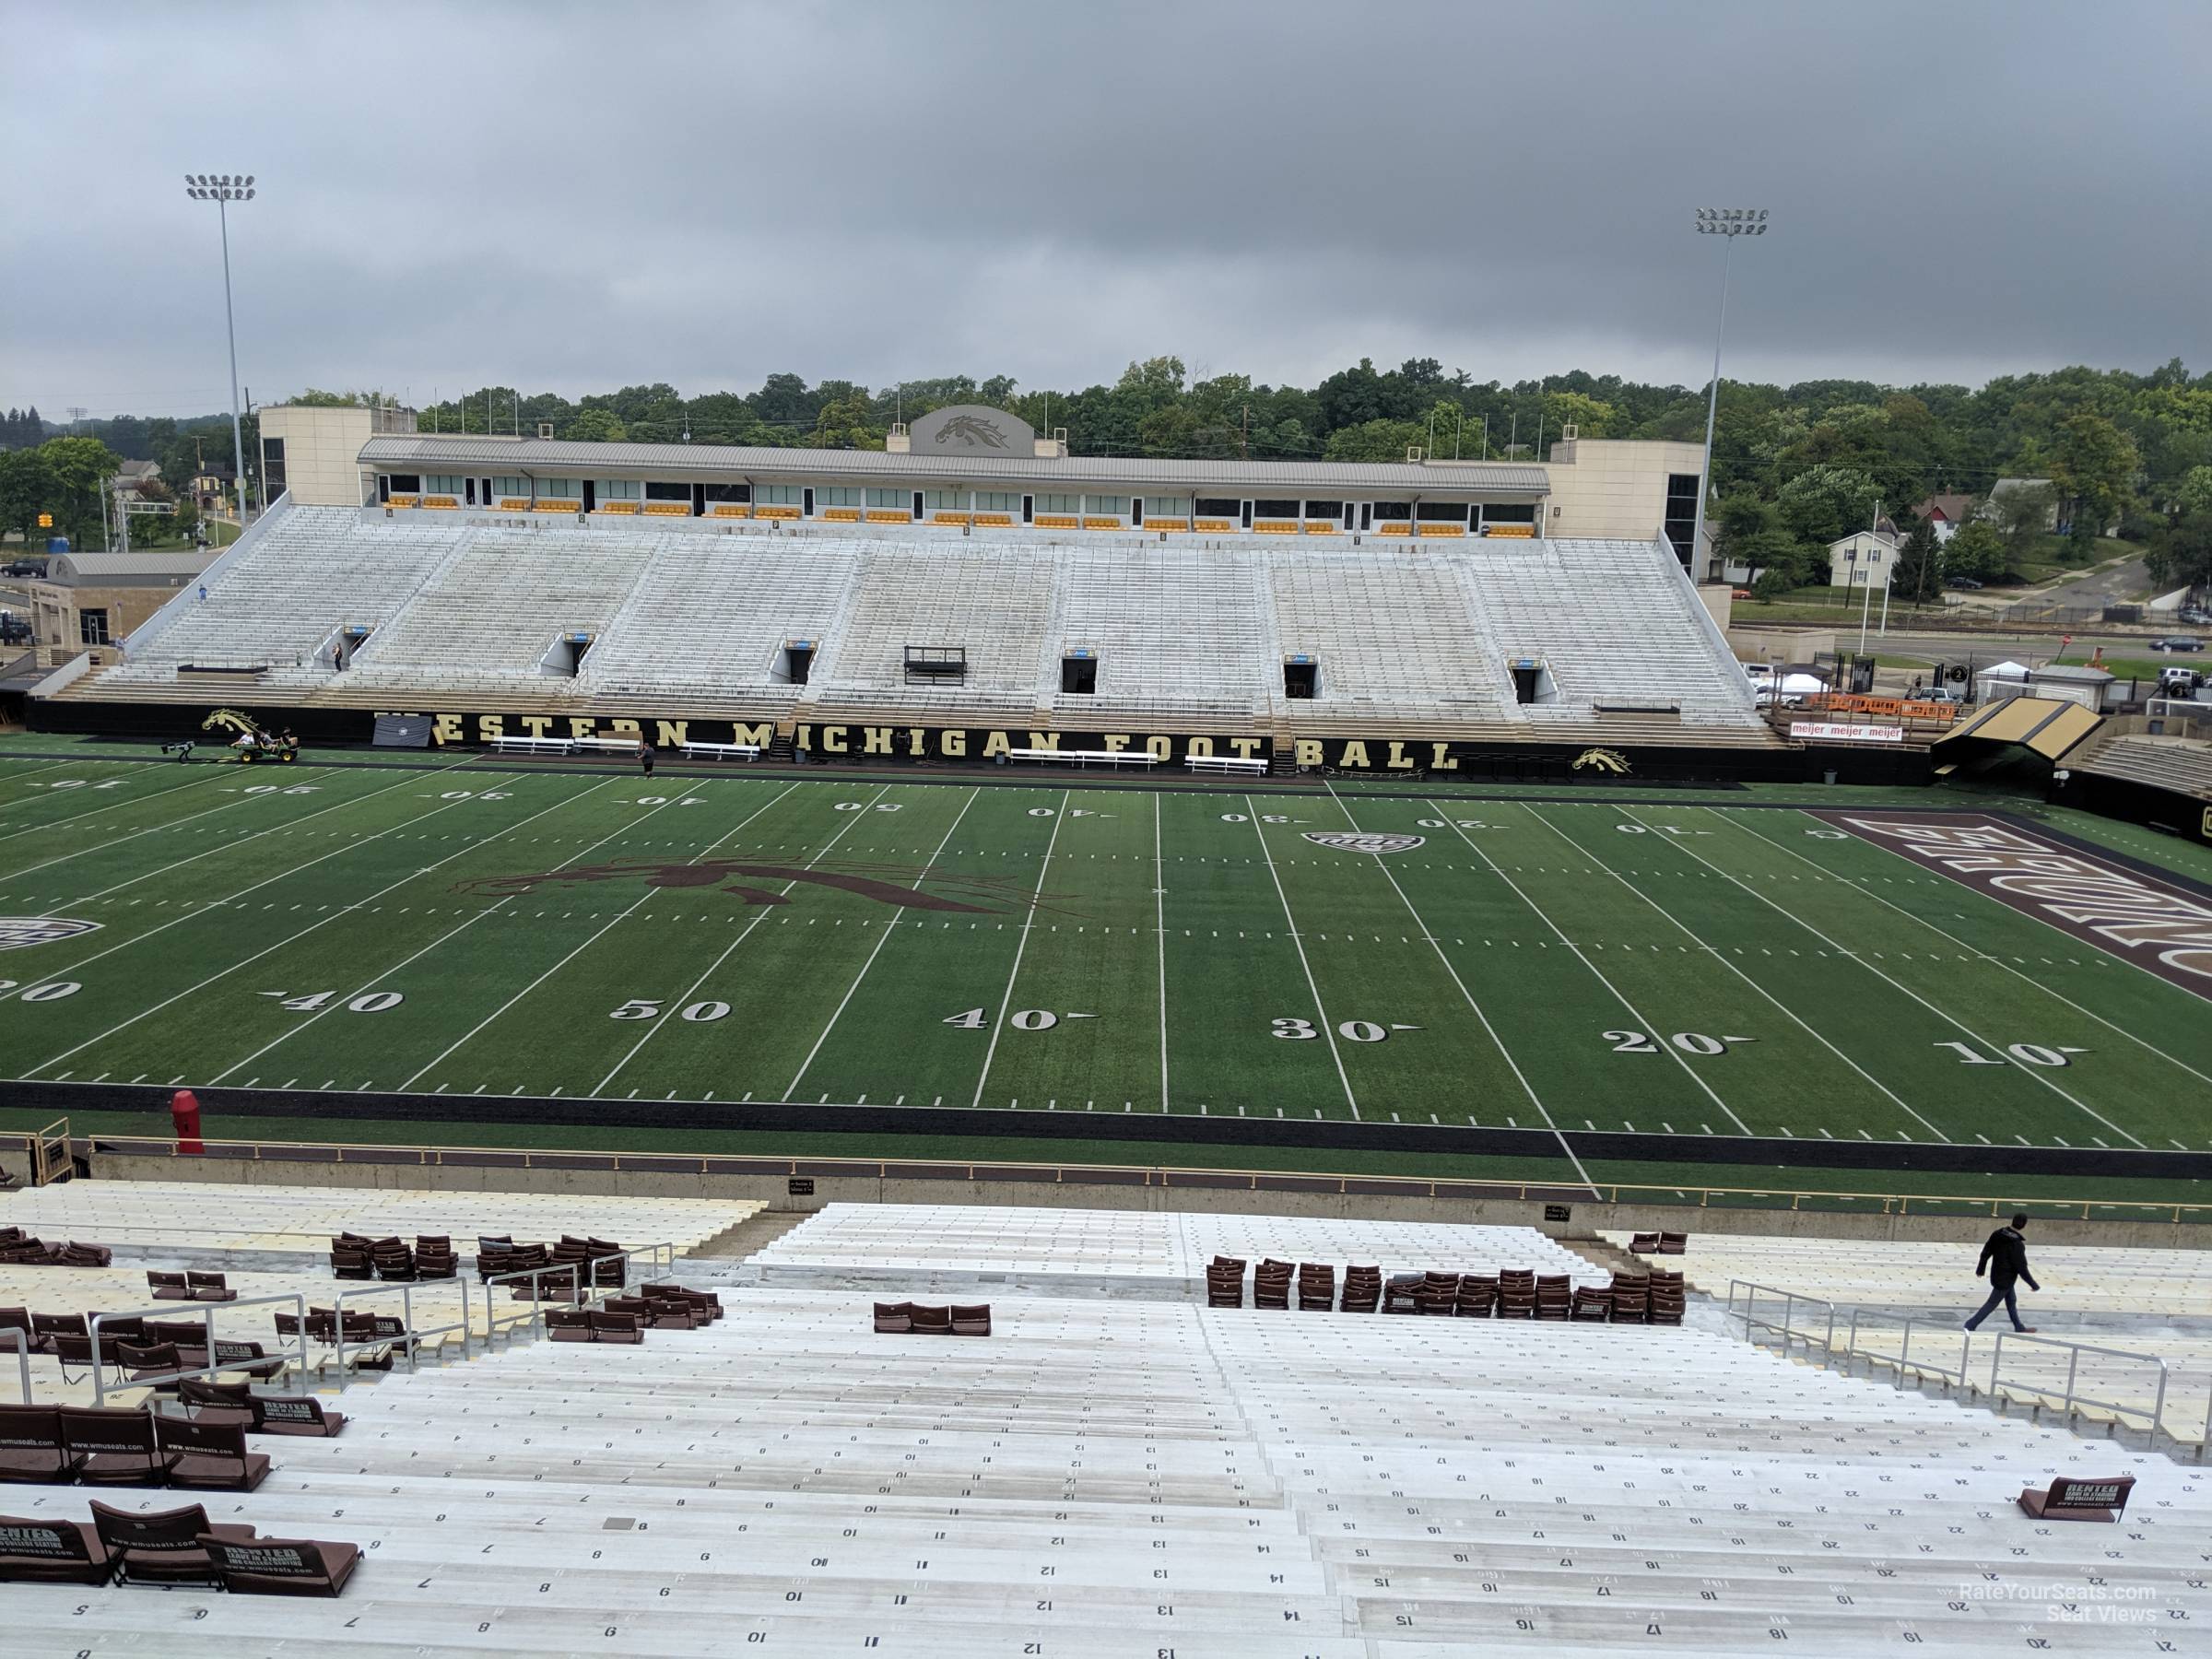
222	189
1728	223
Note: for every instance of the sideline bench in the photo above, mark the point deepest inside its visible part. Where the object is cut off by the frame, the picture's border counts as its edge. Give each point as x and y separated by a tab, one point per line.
1225	763
531	745
1087	757
721	751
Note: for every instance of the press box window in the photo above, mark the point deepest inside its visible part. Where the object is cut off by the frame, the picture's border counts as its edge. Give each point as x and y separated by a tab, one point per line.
778	495
893	500
997	500
1218	507
1275	509
560	489
272	465
658	491
618	490
729	493
836	495
92	627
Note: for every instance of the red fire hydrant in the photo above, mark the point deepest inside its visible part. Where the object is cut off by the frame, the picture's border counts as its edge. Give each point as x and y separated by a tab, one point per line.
184	1118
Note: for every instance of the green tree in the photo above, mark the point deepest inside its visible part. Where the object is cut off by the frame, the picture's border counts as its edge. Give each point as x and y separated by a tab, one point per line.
593	425
80	468
2022	517
1377	441
2195	496
1919	571
1824	503
27	490
1976	551
845	423
2094	462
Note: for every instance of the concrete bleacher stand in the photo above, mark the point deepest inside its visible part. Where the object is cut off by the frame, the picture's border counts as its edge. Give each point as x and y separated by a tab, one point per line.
1190	637
1116	1469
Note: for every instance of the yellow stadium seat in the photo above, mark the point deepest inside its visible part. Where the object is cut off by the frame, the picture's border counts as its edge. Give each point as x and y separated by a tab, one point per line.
1001	519
1524	532
401	502
776	512
1102	523
514	504
1058	521
1216	525
670	509
1394	529
730	510
1179	524
882	516
1324	527
440	501
948	518
842	515
1443	529
616	507
1275	526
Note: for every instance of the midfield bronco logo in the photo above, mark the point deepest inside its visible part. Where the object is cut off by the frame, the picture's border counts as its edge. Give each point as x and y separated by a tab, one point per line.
1601	760
884	883
1342	840
16	932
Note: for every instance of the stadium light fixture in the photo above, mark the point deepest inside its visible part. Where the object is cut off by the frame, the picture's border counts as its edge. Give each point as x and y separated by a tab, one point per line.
222	189
1728	223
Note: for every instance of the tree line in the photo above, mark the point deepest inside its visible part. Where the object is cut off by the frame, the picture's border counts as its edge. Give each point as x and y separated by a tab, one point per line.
1794	467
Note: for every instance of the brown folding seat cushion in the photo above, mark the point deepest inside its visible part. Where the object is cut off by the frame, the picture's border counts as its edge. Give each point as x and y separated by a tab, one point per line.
150	1359
300	1416
167	1287
1644	1244
350	1264
52	1552
180	1331
45	1327
163	1546
74	1350
211	1456
282	1566
894	1319
974	1321
116	1446
569	1324
1436	1299
932	1321
31	1449
218	1402
209	1286
74	1255
1674	1243
615	1327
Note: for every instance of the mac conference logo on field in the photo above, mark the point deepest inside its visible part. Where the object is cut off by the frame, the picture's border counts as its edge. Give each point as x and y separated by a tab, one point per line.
1358	840
18	932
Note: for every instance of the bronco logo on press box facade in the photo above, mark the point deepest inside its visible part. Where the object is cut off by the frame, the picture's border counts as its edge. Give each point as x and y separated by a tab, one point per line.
16	932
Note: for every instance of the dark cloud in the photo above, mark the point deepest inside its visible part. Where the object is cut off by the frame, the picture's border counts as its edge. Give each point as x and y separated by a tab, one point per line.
569	197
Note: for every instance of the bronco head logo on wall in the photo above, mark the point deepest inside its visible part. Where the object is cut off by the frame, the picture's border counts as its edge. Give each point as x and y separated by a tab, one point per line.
972	427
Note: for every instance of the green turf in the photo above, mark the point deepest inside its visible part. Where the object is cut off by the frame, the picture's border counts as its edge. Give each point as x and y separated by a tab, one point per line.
1681	964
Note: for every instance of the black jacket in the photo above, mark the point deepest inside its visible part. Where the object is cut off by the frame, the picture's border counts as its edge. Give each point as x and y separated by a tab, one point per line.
2005	1259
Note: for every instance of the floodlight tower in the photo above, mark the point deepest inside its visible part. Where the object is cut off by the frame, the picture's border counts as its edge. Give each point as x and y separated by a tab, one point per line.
223	189
1728	223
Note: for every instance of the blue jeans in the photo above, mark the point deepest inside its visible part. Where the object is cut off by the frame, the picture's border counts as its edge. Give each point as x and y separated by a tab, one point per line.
2007	1294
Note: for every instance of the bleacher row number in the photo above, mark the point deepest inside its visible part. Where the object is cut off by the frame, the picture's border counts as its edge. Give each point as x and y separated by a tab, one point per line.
2027	1053
1689	1042
51	991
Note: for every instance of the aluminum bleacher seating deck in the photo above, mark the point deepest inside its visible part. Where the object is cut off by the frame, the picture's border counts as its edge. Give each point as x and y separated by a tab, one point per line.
1189	635
1119	1476
2183	764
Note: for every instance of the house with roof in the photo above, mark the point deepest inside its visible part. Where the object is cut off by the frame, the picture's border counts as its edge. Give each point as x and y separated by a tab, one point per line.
1864	556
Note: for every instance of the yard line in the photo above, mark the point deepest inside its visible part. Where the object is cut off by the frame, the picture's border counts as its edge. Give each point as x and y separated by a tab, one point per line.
1955	1023
1488	1029
1290	922
1740	973
792	1091
1159	927
35	770
224	973
469	1035
220	847
2007	966
105	806
1544	916
1006	1001
339	1001
267	882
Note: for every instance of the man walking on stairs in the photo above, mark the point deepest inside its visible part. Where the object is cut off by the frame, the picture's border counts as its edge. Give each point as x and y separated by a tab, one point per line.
2005	1259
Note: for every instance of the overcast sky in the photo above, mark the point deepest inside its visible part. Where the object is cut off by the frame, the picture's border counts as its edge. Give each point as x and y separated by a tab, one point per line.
573	197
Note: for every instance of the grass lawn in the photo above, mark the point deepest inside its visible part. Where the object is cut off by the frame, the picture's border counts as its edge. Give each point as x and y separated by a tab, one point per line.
2142	667
1665	963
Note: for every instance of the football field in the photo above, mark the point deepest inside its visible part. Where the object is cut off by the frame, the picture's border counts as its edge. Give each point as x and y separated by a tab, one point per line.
1637	964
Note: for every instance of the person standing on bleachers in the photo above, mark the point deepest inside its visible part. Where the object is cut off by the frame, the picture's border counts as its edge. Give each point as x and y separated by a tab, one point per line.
2004	1260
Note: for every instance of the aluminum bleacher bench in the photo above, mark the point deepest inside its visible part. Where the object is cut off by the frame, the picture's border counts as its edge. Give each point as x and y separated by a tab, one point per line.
721	751
1225	763
605	746
1087	757
532	745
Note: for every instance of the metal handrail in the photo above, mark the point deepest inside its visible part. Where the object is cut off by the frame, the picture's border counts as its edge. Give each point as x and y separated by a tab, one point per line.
1672	1196
23	1355
207	1310
2072	1397
1790	1299
411	1333
2000	1388
660	1259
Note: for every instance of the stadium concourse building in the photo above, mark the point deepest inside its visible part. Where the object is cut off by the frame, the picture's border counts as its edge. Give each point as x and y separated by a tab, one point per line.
972	592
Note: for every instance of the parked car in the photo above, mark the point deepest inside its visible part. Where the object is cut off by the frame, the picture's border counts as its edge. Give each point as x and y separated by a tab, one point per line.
1962	582
2200	619
14	630
1740	593
26	567
2177	642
